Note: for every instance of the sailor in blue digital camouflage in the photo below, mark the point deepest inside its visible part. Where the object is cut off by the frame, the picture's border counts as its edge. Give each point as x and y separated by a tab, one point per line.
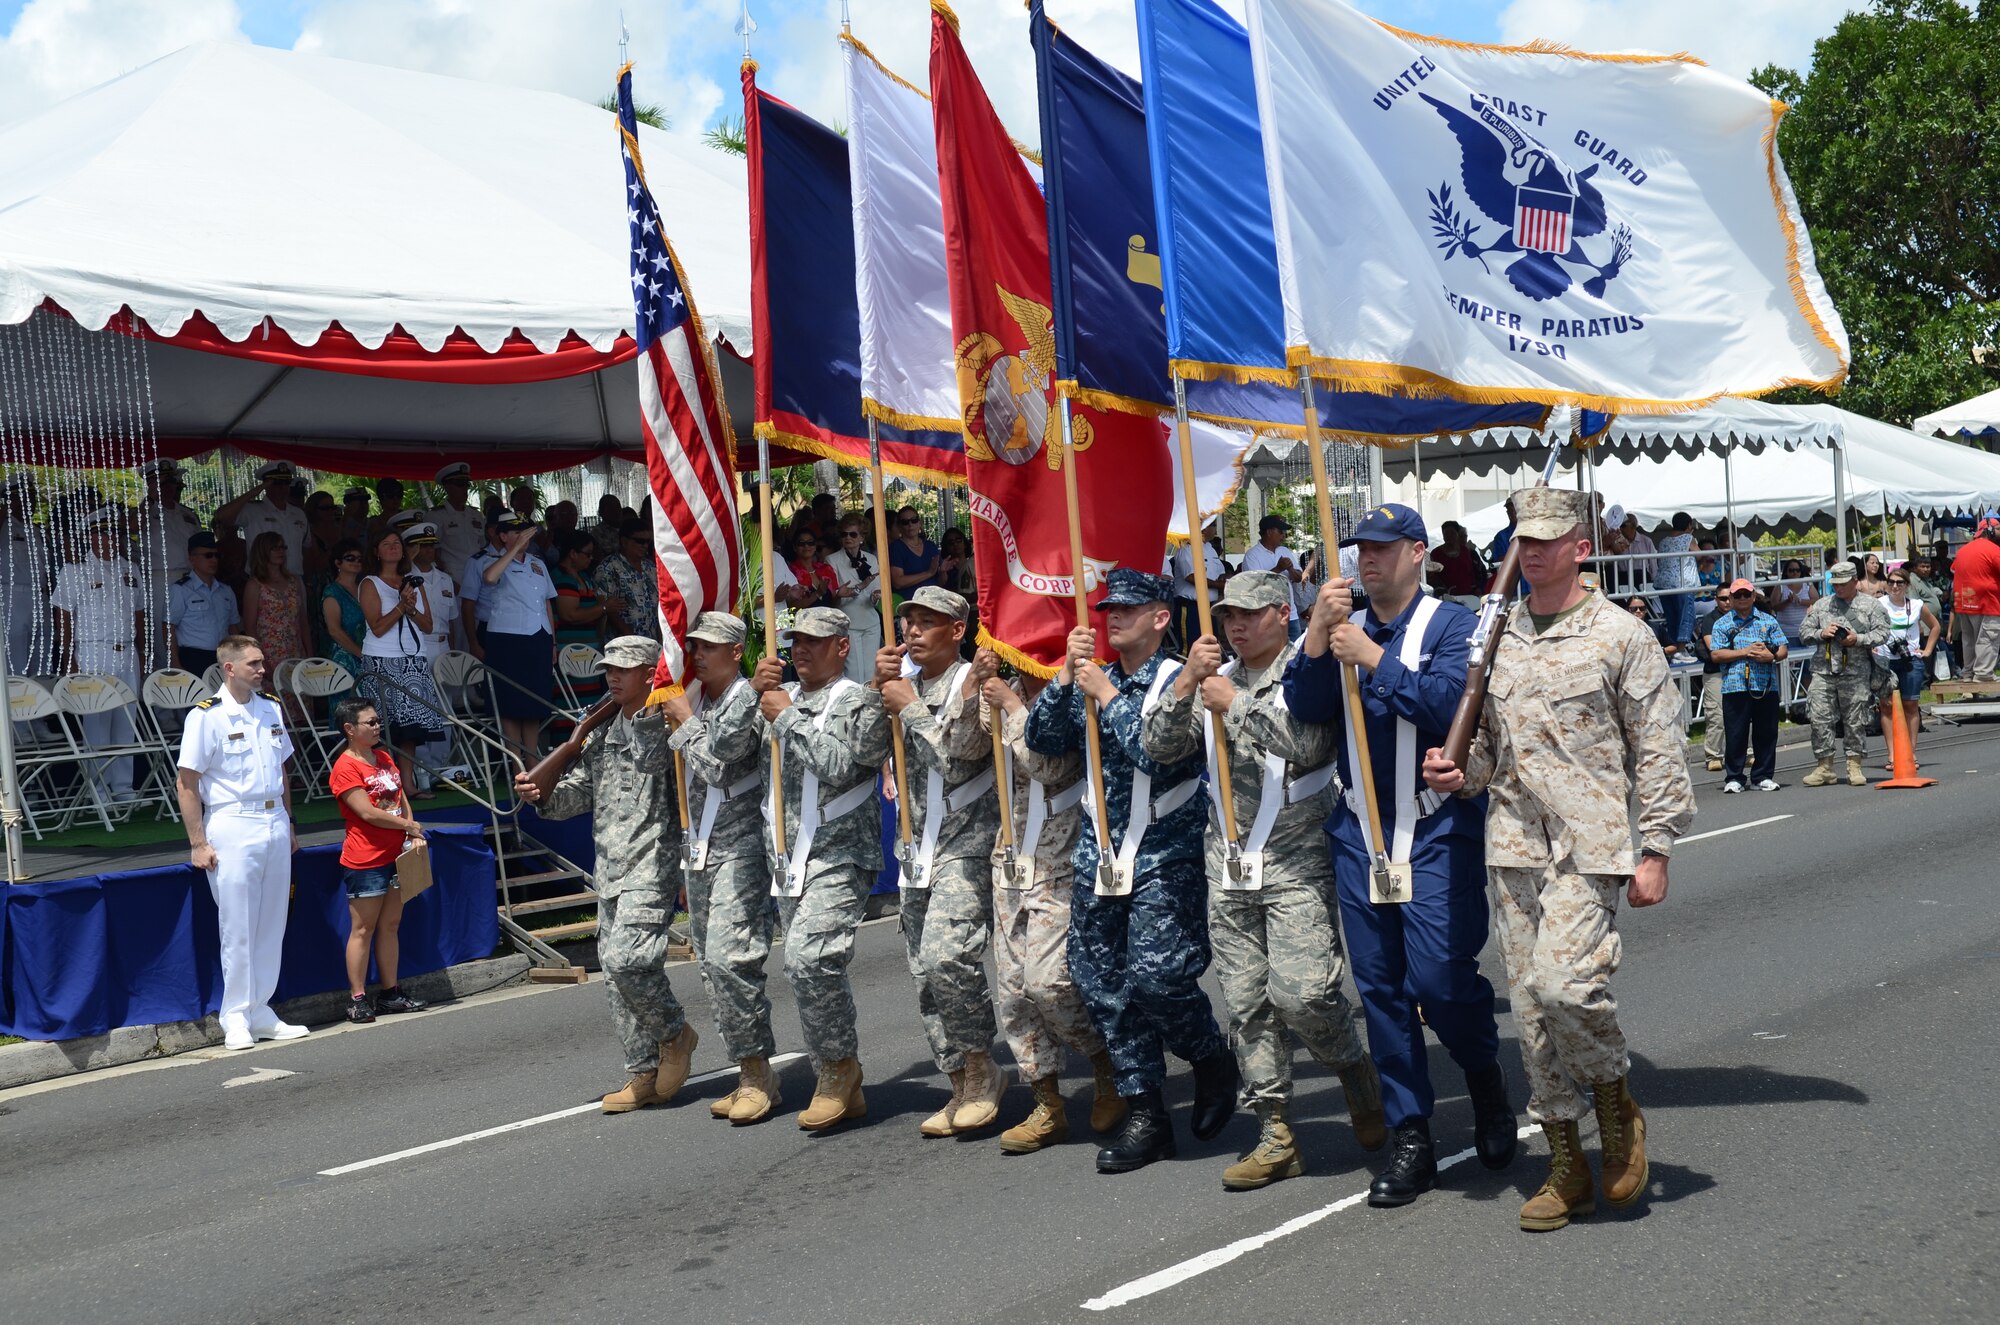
1041	1010
1580	728
624	781
947	901
834	738
1270	901
718	735
1139	934
1841	630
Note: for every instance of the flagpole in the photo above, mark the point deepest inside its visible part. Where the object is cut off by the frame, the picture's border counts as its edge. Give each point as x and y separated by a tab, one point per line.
1383	887
771	644
897	757
1232	853
1082	595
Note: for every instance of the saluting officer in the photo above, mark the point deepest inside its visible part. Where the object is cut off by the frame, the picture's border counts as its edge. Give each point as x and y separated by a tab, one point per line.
273	513
237	808
1581	719
201	609
461	528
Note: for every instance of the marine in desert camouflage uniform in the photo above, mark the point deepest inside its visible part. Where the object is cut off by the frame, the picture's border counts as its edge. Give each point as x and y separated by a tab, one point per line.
1580	720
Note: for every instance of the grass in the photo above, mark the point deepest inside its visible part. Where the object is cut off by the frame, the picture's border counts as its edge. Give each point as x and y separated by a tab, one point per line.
141	832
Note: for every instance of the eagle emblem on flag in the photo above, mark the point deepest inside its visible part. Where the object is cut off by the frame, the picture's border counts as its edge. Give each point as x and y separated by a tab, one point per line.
1545	209
1007	418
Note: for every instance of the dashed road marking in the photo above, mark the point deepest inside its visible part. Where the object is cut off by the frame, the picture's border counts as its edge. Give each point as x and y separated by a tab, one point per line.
1733	828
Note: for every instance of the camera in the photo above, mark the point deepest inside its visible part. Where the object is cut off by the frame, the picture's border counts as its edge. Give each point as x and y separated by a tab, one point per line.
414	581
1899	647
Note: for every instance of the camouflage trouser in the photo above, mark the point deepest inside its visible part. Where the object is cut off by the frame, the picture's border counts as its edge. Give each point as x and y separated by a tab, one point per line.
1040	1008
946	928
1137	961
729	921
1558	933
632	950
1848	698
819	942
1278	955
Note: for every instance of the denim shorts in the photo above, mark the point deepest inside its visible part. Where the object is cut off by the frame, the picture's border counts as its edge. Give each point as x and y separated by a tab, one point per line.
370	883
1909	673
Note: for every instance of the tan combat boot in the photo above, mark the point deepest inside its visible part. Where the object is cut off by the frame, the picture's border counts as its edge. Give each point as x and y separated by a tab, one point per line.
720	1108
757	1094
1856	777
675	1055
1569	1191
836	1099
1364	1105
638	1093
1275	1156
939	1123
1107	1107
1047	1126
1622	1132
985	1082
1822	774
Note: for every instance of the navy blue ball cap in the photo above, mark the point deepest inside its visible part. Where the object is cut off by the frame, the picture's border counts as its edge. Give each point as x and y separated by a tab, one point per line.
1386	524
200	539
1135	588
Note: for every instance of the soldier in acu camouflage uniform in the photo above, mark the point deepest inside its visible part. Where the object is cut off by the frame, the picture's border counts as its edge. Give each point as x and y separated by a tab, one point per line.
717	732
1580	720
1139	938
1842	629
835	737
1270	914
1041	1010
947	907
624	781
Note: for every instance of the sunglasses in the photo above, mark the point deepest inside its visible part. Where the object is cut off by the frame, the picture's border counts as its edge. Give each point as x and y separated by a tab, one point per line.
352	557
1895	579
846	534
907	523
1744	593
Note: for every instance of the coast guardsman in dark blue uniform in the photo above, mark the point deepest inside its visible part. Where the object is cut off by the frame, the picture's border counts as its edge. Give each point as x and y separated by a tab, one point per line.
1421	950
1138	936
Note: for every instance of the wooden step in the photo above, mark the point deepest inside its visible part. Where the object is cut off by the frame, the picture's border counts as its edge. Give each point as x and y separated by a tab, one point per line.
546	876
551	903
557	933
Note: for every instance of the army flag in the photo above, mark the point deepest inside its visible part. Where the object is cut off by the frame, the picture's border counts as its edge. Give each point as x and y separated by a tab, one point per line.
996	241
1530	223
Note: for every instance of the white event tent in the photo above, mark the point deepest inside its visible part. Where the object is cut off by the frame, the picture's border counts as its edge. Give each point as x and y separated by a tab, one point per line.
1977	419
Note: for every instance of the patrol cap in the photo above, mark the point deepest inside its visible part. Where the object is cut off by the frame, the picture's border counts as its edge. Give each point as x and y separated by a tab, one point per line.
1273	522
354	494
632	651
819	623
276	471
938	599
718	628
1135	588
423	532
1549	512
457	472
1253	589
1841	572
1740	585
1386	524
198	541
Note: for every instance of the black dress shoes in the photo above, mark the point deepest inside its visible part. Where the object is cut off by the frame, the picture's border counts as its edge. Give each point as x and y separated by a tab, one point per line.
1148	1135
1216	1085
1494	1127
1412	1167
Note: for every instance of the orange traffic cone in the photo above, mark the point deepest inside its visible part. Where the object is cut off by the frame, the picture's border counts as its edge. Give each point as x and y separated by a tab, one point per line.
1902	760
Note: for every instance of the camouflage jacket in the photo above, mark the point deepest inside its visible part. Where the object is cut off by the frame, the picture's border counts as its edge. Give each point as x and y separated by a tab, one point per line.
944	733
1579	722
624	780
1056	846
846	751
1863	614
721	746
1055	727
1258	724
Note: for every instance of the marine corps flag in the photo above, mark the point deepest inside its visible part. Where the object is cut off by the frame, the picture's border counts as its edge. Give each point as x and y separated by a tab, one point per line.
996	241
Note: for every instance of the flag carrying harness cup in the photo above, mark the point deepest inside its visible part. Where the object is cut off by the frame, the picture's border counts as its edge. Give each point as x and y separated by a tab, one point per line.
1041	808
1272	796
939	803
812	815
1145	810
1412	803
713	798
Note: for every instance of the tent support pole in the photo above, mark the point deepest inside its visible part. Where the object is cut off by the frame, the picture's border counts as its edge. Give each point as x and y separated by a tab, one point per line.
1839	497
1729	507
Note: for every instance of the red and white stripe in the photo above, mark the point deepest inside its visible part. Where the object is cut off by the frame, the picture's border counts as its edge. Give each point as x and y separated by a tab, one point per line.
1543	230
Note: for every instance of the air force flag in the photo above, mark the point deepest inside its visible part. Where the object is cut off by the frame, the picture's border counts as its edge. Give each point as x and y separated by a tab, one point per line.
1527	223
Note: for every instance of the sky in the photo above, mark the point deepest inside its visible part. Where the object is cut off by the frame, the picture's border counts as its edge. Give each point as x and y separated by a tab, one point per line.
688	54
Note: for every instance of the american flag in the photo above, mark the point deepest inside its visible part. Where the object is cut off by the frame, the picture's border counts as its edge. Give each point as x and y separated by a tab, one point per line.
1541	219
690	449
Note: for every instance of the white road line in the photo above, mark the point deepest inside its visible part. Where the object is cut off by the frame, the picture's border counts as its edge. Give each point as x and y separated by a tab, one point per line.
1160	1280
1733	828
449	1142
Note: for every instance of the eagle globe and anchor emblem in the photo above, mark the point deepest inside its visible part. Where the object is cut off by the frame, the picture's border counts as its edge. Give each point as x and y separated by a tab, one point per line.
1546	209
1008	417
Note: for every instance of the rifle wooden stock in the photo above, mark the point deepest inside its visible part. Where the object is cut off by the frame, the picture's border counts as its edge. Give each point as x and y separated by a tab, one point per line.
1465	721
556	762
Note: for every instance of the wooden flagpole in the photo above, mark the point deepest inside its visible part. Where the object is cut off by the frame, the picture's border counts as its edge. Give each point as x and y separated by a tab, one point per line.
902	779
1082	596
1232	853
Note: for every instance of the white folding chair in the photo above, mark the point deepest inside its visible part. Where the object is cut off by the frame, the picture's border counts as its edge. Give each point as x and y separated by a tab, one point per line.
87	694
573	663
317	746
44	744
212	677
168	694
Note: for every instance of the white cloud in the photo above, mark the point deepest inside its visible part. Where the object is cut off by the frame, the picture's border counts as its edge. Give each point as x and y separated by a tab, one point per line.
1734	36
60	47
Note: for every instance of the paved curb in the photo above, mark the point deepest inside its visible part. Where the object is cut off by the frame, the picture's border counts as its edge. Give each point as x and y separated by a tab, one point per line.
44	1060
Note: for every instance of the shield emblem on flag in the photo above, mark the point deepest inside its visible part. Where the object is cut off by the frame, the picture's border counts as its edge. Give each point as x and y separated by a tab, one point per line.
1542	218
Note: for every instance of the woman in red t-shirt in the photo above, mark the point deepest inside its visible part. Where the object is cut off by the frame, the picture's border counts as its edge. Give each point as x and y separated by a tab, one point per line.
370	791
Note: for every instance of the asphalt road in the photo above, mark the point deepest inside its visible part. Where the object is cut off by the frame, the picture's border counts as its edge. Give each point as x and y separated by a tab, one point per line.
1813	1009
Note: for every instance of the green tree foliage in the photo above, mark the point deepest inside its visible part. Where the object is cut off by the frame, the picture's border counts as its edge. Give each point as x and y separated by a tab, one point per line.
647	113
1893	146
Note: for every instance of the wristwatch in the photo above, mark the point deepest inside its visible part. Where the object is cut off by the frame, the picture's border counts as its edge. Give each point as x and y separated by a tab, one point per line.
1647	853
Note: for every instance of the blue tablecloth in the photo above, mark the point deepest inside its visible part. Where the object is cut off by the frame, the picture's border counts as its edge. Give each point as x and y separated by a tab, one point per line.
83	956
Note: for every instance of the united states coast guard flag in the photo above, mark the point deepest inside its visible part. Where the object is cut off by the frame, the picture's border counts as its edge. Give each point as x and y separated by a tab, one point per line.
1531	223
690	449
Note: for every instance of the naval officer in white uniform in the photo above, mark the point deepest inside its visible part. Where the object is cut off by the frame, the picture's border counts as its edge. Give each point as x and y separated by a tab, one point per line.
100	618
237	809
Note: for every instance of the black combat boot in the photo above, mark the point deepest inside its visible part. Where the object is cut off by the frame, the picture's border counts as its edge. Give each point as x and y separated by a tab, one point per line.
1494	1127
1413	1168
1148	1135
1216	1085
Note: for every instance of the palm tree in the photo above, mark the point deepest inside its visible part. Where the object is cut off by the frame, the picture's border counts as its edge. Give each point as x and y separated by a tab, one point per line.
648	113
728	136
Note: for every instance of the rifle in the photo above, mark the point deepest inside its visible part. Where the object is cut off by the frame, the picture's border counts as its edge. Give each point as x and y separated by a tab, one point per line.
556	762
